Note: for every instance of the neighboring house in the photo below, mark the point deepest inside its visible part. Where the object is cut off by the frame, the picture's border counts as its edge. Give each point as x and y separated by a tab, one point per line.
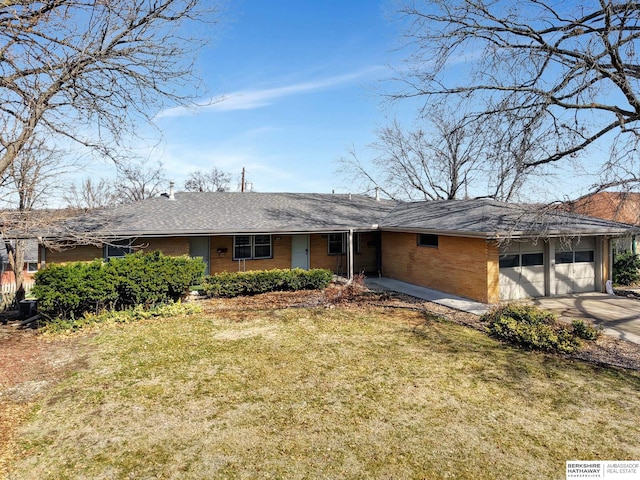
479	249
616	206
30	261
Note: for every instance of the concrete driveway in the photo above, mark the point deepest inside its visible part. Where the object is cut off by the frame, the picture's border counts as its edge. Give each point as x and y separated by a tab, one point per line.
620	316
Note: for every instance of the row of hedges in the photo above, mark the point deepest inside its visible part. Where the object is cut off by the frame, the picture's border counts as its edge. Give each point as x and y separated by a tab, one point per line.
261	281
533	328
138	279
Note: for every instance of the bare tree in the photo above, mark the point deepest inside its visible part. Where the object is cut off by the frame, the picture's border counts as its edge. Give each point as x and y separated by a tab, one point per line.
574	67
92	71
28	184
139	181
91	194
214	180
440	161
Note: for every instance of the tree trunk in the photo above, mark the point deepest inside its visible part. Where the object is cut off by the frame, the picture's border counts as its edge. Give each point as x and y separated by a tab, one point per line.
15	253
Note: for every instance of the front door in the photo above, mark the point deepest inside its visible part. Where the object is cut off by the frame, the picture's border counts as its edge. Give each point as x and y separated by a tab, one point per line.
300	251
199	247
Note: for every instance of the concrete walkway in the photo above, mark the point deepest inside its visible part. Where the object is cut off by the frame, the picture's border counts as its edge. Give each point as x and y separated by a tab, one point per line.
448	300
619	316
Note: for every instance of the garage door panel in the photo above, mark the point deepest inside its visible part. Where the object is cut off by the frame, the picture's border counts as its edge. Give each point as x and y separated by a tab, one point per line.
581	285
533	274
564	280
584	270
527	279
511	291
533	289
509	275
575	270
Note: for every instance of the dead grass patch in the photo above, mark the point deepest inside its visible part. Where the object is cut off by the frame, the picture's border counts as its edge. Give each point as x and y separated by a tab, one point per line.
325	393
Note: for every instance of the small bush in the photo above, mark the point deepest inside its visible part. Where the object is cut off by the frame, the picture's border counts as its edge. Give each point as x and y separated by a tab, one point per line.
585	331
530	327
129	315
261	281
626	268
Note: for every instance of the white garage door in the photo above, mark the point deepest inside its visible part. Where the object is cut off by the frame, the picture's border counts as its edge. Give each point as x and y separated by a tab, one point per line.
575	267
522	270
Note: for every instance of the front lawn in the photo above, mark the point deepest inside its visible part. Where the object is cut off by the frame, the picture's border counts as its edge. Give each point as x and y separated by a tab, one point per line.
324	393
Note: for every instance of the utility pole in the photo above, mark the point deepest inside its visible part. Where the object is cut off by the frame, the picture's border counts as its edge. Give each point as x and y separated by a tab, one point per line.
242	181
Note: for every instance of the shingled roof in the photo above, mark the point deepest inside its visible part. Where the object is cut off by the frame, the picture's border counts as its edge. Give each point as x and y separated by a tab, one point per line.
203	213
488	218
231	213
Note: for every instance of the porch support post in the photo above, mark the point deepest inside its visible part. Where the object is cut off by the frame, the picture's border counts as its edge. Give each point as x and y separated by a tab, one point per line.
550	267
350	255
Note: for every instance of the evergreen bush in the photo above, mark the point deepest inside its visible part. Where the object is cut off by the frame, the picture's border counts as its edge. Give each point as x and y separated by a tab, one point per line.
531	327
626	268
261	281
147	279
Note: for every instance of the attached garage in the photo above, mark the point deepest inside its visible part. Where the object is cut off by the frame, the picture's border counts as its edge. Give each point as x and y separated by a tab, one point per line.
522	270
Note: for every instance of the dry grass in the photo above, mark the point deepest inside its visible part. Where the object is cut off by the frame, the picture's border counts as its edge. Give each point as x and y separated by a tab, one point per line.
318	393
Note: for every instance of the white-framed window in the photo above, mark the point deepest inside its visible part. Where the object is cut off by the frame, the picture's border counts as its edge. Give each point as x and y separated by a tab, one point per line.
31	267
117	249
252	247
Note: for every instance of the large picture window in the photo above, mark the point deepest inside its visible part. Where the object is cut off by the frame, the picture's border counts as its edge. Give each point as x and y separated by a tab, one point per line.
252	247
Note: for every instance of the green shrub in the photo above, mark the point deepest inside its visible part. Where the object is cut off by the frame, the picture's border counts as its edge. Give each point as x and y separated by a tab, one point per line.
261	281
147	279
626	268
153	278
530	327
70	290
585	331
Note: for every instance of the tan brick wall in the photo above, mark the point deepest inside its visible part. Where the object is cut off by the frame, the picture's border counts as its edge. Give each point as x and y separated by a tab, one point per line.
84	253
170	246
493	273
462	266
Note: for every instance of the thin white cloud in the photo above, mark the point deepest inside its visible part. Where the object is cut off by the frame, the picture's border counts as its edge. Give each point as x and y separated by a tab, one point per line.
251	99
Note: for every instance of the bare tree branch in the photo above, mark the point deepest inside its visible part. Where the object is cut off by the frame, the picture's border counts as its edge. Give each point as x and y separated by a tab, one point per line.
572	66
92	71
215	180
139	181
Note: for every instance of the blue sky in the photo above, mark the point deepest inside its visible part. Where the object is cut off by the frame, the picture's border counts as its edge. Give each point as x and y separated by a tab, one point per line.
298	82
291	86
